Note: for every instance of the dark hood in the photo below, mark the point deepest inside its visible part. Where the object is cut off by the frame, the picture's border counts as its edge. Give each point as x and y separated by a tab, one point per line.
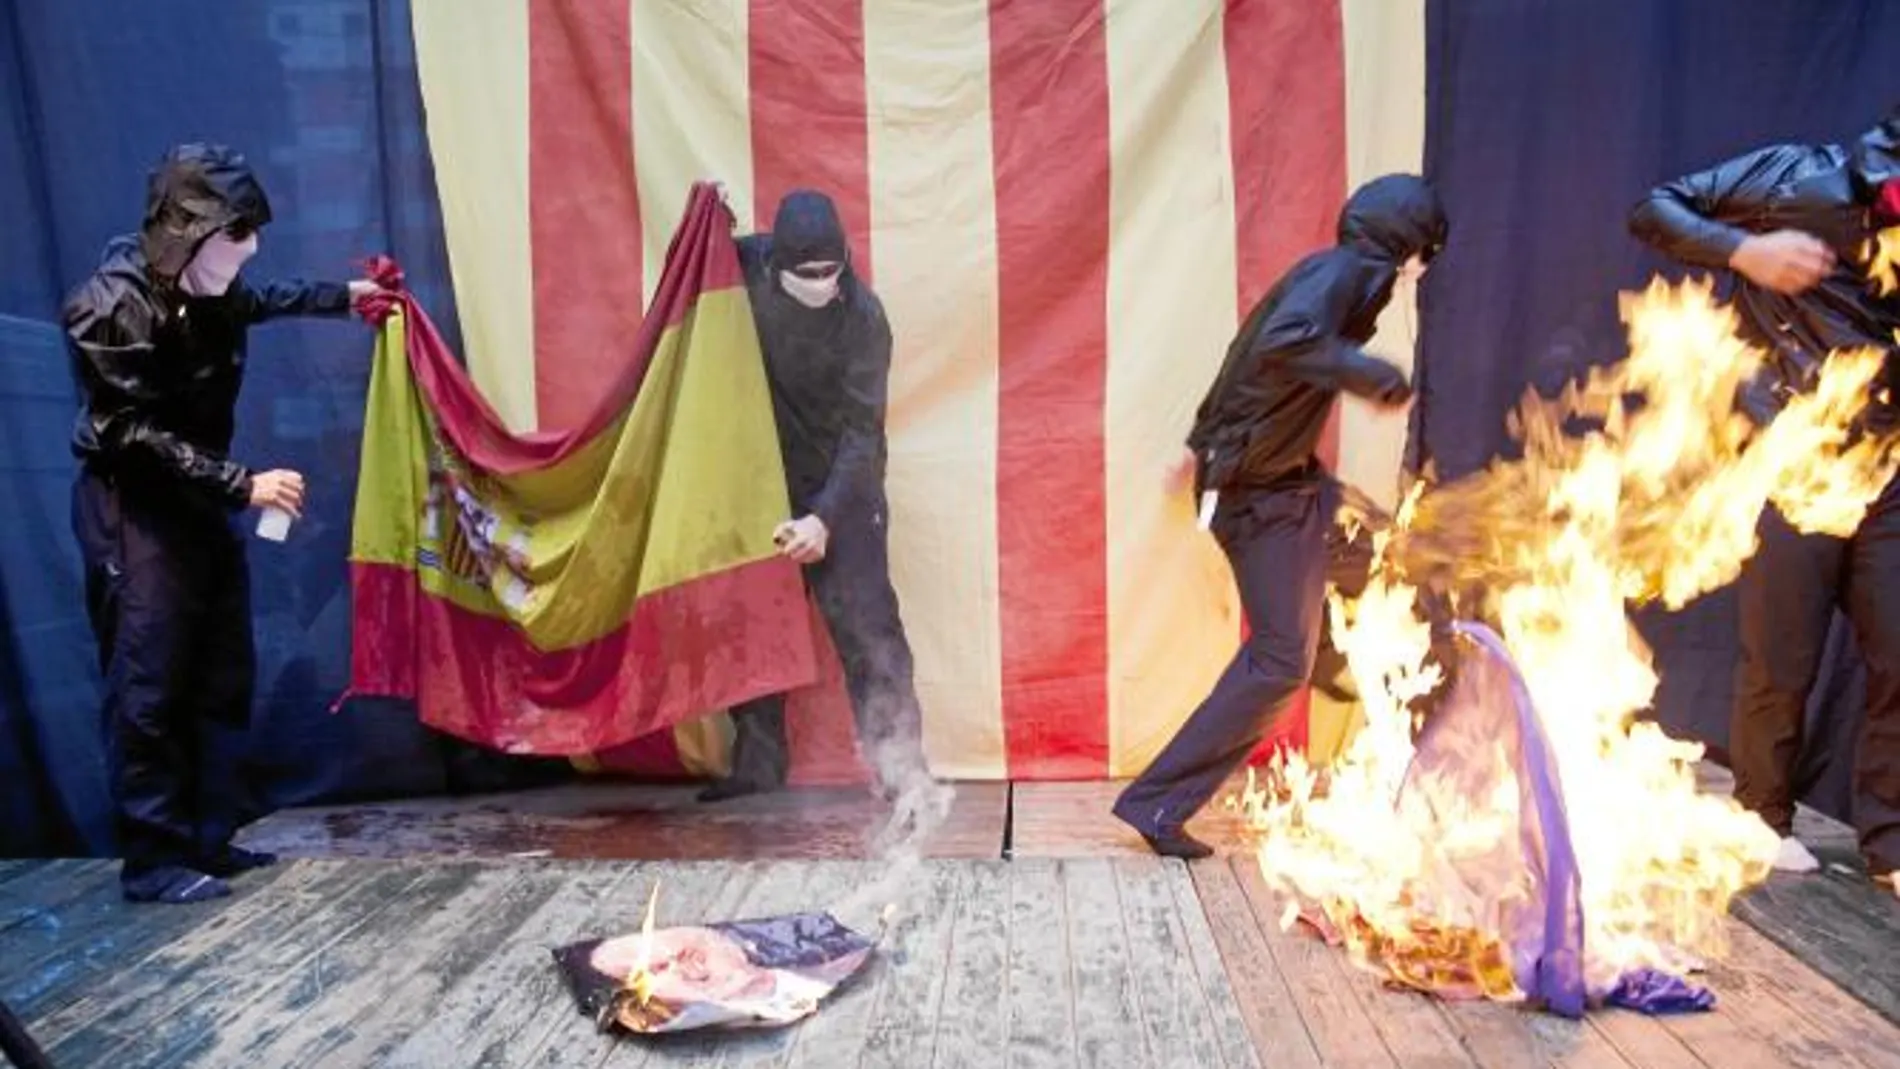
807	228
194	192
1393	218
1875	158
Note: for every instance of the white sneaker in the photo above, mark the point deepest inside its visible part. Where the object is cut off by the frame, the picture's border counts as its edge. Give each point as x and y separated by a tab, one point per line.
1794	857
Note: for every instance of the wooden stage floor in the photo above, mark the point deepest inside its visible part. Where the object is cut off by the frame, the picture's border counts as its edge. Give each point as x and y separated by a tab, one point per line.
416	934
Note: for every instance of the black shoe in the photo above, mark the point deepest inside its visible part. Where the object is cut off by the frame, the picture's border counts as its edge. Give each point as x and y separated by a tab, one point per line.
173	885
236	861
1168	842
1177	844
727	789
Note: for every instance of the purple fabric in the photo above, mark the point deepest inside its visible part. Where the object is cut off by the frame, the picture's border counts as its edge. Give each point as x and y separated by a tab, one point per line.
1485	731
1658	993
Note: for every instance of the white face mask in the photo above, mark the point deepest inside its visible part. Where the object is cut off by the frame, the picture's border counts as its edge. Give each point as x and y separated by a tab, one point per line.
810	292
216	265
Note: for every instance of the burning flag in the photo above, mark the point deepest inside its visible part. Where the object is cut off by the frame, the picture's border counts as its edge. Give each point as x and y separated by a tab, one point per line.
563	593
746	974
1535	841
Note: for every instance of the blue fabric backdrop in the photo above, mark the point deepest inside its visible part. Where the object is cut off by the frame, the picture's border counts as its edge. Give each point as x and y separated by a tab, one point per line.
322	96
1546	121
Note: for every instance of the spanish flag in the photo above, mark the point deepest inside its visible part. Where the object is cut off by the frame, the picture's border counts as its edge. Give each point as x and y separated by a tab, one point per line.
567	593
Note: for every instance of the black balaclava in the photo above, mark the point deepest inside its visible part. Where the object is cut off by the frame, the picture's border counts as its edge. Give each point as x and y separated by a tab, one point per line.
197	190
807	230
1395	217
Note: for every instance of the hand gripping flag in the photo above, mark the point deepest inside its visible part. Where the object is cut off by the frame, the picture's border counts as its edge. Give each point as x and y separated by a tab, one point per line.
564	593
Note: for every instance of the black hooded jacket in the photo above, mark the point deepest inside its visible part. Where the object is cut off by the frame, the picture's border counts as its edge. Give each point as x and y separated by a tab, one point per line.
159	371
1261	421
829	367
1823	190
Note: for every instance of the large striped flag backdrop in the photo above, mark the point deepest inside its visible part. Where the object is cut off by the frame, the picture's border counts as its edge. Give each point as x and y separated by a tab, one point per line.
1066	206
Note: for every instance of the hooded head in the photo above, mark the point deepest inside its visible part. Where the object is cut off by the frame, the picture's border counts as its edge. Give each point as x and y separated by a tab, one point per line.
203	209
1394	218
809	252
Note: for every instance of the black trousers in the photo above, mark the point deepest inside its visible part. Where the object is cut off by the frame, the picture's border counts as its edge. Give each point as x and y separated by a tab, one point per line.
1789	592
852	586
168	594
1284	547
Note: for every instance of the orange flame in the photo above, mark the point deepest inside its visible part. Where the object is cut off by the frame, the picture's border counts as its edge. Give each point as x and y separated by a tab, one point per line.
640	978
1883	261
1658	503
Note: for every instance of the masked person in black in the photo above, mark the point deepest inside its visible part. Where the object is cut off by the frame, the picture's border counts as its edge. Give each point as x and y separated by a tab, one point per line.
1253	454
157	337
827	353
1791	222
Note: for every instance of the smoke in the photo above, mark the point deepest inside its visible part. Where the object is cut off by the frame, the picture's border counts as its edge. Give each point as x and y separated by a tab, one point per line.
919	807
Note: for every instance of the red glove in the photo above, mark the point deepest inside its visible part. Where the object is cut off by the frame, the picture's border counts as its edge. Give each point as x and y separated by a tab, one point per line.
1887	204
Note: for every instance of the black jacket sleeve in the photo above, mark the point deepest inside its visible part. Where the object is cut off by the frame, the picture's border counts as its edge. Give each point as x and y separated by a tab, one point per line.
1303	335
119	414
855	468
274	300
1694	219
1322	358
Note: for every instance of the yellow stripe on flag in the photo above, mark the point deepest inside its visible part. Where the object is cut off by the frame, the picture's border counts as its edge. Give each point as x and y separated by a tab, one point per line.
1385	132
933	226
1173	615
677	488
692	115
472	62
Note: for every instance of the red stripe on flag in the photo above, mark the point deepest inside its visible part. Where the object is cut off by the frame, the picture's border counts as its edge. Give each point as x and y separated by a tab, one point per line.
1049	116
809	114
584	220
693	646
1286	84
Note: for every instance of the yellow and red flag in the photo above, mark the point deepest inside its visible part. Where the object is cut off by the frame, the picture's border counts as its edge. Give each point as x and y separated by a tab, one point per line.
566	593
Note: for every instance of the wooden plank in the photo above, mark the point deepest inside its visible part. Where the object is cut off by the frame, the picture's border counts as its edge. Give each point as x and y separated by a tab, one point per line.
191	977
137	977
974	829
1499	1036
98	951
1039	984
1171	992
615	820
1722	1039
970	1029
1644	1042
51	929
1224	1013
1265	1001
35	896
14	868
1108	1017
1413	1026
232	1026
474	1009
1841	925
901	1034
1072	820
1341	1029
1805	1018
392	973
20	869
